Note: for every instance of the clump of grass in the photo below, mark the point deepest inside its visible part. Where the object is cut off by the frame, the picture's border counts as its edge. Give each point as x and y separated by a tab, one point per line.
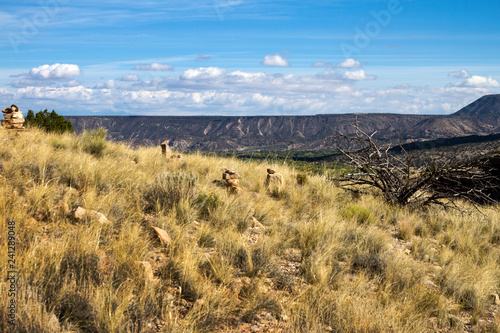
169	188
360	214
94	141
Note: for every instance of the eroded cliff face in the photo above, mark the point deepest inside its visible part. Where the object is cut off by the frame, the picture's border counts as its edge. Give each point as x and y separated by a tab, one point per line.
280	132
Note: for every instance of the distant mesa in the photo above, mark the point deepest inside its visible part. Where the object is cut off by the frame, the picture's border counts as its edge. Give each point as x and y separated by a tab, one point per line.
486	106
280	133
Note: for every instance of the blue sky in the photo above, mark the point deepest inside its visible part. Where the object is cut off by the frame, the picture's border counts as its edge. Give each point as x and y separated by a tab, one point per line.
248	57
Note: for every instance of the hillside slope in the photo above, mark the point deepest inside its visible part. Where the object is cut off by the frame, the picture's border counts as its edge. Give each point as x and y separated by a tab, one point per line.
308	258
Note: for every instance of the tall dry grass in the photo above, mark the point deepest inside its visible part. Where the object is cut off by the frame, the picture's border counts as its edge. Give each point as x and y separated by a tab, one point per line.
322	261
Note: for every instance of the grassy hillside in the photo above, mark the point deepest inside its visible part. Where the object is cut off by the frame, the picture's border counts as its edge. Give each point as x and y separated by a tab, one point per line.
317	260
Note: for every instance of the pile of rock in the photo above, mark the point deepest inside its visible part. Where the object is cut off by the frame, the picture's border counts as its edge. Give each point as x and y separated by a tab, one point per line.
275	182
232	179
167	152
13	118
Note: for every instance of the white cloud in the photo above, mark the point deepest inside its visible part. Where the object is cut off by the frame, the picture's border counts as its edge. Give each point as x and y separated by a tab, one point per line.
349	63
462	74
155	66
107	85
322	64
72	83
55	72
359	75
275	60
477	81
203	73
129	78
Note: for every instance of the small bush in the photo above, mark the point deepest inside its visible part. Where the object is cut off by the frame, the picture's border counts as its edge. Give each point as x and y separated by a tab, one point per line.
169	189
94	141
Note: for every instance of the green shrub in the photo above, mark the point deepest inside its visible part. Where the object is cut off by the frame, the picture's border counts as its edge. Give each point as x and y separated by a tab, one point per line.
48	121
169	188
94	141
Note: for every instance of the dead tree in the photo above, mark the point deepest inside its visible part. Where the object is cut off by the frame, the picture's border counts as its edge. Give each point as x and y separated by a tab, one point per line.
400	181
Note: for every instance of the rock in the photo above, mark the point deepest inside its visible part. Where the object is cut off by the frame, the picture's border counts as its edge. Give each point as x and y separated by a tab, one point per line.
163	236
229	171
165	149
80	213
271	171
7	110
54	325
17	115
257	224
235	190
233	182
227	176
275	182
148	270
8	116
430	284
14	108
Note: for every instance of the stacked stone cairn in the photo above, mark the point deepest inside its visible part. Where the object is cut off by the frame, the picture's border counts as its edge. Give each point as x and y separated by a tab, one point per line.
275	182
232	179
167	152
13	118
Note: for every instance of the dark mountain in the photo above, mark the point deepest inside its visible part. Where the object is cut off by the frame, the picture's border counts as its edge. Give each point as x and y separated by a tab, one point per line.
486	106
291	132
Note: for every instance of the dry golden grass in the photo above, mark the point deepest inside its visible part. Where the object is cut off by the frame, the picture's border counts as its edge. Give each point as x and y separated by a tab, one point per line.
324	261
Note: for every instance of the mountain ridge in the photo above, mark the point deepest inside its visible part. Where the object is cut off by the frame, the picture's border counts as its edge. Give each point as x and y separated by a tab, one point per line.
232	133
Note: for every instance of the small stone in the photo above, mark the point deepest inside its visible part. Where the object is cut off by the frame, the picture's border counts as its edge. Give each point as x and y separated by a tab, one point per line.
79	213
257	224
229	171
163	236
233	182
148	270
54	325
495	299
430	284
271	171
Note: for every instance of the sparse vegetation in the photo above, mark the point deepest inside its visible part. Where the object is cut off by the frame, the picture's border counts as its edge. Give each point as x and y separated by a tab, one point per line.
320	259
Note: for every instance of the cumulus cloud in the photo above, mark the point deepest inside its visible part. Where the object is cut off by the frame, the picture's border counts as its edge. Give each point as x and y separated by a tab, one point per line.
349	63
201	56
154	67
203	73
322	64
462	74
55	72
129	78
275	60
359	75
477	81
